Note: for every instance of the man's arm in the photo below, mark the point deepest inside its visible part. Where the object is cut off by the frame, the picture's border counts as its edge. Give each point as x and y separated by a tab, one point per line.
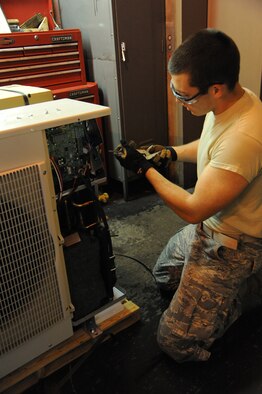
164	154
214	190
187	152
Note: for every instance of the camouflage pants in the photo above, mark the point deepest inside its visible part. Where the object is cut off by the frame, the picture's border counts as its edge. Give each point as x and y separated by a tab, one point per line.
213	286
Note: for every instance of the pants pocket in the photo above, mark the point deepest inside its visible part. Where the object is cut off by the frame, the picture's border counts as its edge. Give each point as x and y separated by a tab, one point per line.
178	316
208	318
197	314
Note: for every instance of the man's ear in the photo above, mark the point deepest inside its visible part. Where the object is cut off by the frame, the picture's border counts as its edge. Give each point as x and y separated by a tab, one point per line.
217	90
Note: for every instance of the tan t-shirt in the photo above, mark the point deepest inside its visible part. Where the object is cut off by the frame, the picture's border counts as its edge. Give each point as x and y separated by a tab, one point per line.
232	141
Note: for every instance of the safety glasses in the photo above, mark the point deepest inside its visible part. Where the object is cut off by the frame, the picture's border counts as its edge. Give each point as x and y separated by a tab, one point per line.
183	99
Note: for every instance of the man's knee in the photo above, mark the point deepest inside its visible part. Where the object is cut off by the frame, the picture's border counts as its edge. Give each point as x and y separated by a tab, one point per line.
170	345
168	279
180	348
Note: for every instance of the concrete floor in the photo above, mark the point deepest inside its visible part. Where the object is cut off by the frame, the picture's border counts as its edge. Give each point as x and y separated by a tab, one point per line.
131	362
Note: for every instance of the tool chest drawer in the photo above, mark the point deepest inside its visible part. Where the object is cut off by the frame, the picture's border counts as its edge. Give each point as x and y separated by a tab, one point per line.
50	59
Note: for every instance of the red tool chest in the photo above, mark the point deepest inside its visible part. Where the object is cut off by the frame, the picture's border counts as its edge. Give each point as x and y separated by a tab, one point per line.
47	59
50	59
86	92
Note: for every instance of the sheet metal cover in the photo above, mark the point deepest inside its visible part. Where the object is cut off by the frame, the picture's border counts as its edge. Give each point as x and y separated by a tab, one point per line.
35	117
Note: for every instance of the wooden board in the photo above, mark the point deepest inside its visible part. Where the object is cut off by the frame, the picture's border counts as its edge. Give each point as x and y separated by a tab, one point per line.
71	349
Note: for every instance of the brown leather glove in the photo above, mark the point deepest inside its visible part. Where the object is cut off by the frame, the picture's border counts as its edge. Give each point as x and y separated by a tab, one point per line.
131	159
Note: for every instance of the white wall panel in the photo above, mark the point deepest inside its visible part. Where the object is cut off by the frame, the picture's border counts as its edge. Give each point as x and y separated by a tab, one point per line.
241	19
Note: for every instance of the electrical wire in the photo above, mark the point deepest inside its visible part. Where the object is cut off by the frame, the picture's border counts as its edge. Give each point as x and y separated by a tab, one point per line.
139	262
79	363
59	177
81	172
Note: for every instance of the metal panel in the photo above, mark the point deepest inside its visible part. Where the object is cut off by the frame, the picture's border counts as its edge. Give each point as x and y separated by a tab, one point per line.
141	60
35	302
30	301
29	119
94	19
102	26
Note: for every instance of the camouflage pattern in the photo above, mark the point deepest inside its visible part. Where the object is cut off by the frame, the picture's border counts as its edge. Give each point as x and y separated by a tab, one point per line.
213	286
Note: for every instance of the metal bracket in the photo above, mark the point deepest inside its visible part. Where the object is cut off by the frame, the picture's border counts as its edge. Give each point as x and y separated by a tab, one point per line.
92	328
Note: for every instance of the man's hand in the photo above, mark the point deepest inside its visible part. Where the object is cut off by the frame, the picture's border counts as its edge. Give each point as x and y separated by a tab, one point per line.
159	155
131	159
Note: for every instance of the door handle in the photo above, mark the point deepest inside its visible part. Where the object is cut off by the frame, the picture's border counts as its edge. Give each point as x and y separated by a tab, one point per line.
123	51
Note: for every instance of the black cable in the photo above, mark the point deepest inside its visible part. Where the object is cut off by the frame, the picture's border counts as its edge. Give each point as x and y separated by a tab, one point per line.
83	359
140	262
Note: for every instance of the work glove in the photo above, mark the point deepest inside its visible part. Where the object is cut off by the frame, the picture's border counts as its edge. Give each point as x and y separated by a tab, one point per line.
159	155
131	159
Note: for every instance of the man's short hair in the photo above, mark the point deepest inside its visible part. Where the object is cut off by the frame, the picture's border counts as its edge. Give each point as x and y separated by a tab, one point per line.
209	57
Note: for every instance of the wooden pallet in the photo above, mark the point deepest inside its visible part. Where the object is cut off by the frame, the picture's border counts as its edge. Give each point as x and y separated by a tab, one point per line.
82	342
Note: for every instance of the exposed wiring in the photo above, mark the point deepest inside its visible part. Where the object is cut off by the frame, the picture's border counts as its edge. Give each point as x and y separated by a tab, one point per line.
139	262
75	185
81	172
59	177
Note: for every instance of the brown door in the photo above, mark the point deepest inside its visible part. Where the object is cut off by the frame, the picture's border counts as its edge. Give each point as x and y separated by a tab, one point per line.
141	64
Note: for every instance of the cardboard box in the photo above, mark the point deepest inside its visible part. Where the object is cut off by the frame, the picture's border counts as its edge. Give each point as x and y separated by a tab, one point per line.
18	95
37	22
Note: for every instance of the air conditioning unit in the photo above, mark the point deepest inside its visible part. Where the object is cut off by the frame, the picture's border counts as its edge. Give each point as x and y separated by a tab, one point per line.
35	305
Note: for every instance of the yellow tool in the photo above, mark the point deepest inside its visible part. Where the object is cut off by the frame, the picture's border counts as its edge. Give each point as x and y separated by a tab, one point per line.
103	198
